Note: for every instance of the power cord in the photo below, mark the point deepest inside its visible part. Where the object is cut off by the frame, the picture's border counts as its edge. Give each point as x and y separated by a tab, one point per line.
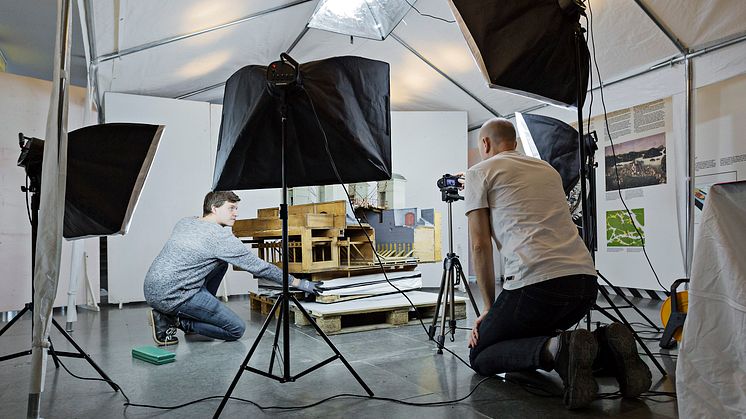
427	15
613	151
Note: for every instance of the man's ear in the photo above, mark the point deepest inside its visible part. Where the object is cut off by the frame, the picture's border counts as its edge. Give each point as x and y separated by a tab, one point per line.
487	144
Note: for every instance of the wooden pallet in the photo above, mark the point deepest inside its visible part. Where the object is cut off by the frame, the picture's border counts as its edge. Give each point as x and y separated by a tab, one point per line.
372	319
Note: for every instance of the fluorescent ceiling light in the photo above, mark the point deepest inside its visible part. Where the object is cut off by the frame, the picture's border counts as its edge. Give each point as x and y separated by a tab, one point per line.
373	19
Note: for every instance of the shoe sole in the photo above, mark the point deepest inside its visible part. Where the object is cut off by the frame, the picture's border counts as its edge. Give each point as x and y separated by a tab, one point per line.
633	374
151	322
581	388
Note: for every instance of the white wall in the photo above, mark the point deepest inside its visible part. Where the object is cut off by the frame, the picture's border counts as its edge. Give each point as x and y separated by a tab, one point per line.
24	104
424	146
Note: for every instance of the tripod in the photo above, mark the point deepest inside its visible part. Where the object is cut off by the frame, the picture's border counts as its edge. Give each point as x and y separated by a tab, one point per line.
453	273
284	75
29	307
586	151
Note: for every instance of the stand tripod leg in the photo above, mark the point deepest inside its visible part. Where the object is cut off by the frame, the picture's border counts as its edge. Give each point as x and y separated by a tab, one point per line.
433	327
331	345
624	297
245	362
447	293
637	338
85	355
15	319
468	289
55	358
452	313
274	343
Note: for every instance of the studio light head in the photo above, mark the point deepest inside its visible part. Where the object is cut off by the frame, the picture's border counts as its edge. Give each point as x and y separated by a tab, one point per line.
32	153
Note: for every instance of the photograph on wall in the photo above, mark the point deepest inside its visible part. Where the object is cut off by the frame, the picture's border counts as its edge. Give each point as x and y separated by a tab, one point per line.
621	231
640	162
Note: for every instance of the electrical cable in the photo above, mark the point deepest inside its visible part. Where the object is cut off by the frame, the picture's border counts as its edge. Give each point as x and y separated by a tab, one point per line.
613	151
28	209
427	15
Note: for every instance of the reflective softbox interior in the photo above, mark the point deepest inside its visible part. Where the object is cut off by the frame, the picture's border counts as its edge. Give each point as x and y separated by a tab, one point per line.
526	47
552	141
350	95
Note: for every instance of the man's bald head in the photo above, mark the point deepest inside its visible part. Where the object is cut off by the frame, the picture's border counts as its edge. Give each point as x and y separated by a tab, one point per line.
495	136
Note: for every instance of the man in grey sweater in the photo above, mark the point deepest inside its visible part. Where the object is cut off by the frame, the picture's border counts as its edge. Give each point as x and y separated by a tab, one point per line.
182	282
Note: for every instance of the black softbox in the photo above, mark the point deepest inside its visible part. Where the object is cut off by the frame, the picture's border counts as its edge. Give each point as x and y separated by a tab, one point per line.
107	166
554	141
526	47
351	98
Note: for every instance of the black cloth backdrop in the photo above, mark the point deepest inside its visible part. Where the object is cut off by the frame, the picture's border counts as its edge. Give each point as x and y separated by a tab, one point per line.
351	97
527	47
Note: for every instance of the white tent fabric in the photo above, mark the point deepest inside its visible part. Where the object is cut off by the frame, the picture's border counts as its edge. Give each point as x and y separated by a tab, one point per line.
711	369
51	211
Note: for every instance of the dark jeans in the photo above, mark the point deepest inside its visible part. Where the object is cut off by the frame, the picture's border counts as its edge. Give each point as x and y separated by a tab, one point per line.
515	330
206	315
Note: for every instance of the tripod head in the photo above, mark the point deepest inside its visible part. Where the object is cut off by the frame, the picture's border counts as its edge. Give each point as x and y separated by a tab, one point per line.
449	186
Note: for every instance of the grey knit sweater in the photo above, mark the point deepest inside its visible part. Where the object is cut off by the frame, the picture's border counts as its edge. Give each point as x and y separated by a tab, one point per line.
194	249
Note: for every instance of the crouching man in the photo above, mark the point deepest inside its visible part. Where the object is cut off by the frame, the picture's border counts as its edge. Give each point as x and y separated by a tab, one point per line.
182	282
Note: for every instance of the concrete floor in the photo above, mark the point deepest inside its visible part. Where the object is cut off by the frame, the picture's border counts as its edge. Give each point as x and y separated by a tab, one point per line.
396	362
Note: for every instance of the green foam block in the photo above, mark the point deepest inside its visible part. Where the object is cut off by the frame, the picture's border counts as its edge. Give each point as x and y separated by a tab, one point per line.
153	355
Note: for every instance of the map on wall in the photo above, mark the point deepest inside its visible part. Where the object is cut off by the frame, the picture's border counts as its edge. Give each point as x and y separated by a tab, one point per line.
620	230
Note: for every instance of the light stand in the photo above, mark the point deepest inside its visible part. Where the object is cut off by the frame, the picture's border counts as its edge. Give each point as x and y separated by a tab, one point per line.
453	274
282	75
35	188
587	172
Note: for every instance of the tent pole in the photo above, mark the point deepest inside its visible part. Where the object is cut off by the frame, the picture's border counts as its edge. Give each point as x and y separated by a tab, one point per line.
690	155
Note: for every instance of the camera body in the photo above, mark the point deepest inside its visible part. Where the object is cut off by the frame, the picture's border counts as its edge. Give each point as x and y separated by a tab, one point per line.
449	187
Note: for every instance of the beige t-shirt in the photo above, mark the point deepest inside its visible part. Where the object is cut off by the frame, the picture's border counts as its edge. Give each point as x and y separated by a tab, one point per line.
530	218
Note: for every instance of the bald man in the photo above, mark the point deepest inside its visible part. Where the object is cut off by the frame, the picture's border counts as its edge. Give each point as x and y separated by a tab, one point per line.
550	278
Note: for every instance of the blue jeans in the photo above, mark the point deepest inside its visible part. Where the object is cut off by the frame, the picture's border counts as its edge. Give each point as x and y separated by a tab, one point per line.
513	333
206	315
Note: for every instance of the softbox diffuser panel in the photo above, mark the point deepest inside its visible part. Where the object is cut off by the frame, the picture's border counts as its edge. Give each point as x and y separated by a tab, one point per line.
351	98
106	170
525	47
556	143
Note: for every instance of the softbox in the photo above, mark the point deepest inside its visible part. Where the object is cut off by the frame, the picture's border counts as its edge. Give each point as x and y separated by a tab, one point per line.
107	166
552	141
526	47
351	98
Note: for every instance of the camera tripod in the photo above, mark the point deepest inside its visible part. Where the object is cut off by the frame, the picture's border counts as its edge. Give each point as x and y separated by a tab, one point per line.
453	273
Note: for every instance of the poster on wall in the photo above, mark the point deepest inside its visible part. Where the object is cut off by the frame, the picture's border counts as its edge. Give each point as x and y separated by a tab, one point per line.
635	168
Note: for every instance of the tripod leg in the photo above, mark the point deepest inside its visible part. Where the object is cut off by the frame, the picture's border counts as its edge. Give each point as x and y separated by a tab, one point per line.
634	307
452	313
331	345
274	343
447	293
433	327
95	366
15	319
637	338
55	358
468	289
245	362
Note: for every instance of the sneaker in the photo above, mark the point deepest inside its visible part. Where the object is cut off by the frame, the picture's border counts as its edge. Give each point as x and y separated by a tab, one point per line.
619	349
573	363
164	328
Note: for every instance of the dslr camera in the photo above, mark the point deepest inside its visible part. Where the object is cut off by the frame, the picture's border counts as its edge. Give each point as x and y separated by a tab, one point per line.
449	187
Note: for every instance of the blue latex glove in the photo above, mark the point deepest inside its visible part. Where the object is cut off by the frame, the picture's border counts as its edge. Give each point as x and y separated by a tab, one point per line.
307	286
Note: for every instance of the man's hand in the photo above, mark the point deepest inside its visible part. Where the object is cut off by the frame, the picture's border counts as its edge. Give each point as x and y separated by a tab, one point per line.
307	286
461	179
474	335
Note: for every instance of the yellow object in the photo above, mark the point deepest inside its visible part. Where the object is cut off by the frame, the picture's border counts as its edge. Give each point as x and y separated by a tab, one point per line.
682	298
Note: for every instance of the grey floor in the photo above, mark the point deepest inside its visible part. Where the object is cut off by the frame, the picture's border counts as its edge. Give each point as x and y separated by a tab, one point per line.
395	362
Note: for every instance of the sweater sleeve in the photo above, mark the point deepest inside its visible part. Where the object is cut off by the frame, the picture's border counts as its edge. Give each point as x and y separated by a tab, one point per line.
230	249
